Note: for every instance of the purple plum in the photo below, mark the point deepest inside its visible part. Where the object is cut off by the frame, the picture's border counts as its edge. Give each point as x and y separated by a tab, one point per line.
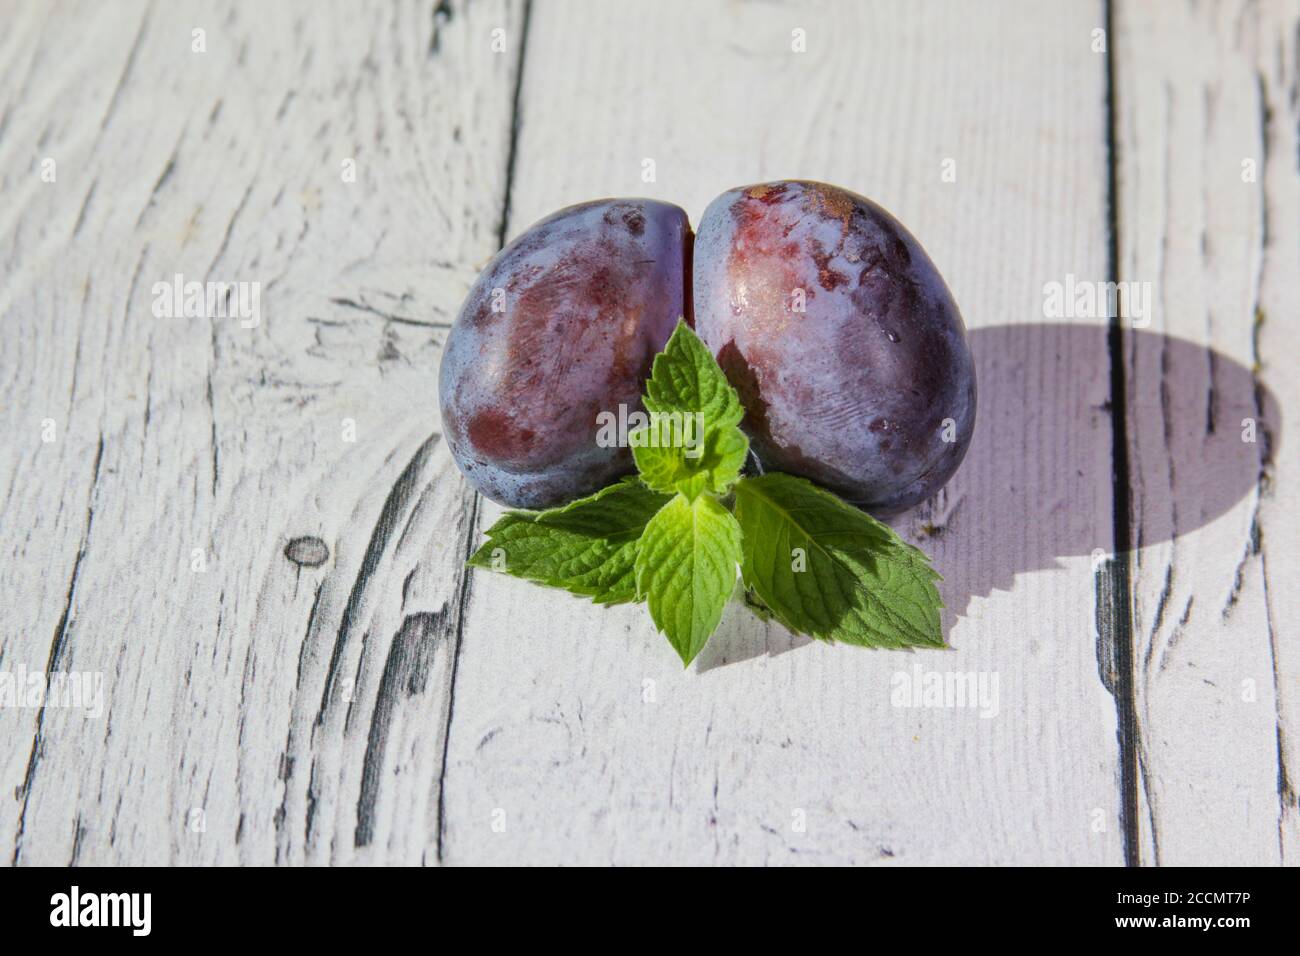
562	325
845	345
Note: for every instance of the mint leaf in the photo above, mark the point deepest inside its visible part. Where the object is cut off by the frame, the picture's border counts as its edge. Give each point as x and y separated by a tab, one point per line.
685	378
587	547
705	462
829	570
725	451
693	443
686	568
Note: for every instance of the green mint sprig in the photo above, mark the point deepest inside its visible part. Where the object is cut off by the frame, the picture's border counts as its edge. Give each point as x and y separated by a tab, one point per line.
674	535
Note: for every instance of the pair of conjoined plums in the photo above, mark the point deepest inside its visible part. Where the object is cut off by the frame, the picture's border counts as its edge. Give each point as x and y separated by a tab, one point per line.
826	315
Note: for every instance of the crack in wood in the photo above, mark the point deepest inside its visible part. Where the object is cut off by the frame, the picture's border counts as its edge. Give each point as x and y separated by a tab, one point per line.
1285	788
162	180
1115	618
58	647
442	15
464	586
405	674
126	70
388	316
403	490
85	206
464	590
515	123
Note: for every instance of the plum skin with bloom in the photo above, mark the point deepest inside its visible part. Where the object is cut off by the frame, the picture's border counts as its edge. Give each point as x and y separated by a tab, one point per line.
564	323
870	390
828	317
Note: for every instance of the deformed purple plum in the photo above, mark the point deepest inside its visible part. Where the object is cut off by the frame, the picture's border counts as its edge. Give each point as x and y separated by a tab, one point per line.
838	332
562	325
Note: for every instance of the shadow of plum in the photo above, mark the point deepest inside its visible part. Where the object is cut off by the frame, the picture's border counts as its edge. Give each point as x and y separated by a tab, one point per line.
1038	483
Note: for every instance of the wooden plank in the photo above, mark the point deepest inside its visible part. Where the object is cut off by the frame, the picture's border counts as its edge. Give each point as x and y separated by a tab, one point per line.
257	709
575	735
1210	218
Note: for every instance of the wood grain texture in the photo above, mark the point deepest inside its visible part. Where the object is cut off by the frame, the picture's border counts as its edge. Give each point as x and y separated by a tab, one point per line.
257	710
1208	106
256	536
576	737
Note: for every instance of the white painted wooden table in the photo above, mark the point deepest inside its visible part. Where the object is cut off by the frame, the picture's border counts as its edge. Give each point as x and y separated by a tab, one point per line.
1114	552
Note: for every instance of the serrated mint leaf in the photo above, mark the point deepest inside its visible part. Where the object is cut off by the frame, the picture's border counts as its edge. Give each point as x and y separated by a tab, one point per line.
587	547
706	462
724	455
834	572
685	378
686	568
